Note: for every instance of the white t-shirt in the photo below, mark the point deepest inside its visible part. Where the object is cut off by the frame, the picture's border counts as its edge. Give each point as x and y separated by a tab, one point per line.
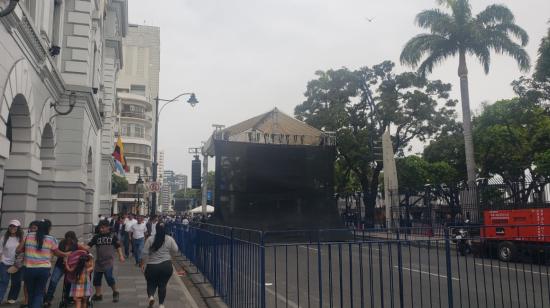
8	251
128	224
153	229
185	221
138	230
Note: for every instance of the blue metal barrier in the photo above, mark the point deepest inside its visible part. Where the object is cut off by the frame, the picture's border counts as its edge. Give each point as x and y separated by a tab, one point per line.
373	268
232	266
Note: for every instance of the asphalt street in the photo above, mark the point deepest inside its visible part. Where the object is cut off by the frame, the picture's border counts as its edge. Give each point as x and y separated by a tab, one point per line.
404	274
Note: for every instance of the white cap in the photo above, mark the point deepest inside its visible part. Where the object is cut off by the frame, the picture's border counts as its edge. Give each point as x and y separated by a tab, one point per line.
15	222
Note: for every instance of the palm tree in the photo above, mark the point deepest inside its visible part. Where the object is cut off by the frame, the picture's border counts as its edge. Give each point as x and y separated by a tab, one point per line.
461	33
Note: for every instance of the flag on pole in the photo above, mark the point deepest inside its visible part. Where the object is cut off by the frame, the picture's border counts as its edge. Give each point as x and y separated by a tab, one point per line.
118	155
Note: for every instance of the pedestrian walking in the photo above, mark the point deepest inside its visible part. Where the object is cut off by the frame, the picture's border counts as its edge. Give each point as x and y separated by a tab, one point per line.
68	244
106	243
151	226
38	247
8	246
157	263
33	227
137	232
126	239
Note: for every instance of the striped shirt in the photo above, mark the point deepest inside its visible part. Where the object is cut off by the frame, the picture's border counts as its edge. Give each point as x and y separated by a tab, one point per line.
39	258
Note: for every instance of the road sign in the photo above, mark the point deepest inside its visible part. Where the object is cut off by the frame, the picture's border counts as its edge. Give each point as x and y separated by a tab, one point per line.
153	186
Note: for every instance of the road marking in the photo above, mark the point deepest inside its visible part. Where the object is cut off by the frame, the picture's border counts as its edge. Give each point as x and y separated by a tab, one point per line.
283	298
423	272
363	246
513	269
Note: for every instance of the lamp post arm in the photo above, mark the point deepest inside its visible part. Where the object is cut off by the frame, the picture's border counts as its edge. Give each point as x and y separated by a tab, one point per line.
168	101
155	147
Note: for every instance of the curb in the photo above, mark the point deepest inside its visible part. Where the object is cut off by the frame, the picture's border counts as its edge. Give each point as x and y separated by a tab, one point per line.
188	297
204	288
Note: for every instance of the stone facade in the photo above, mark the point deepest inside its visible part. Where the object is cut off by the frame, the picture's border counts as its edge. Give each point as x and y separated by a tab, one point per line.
53	109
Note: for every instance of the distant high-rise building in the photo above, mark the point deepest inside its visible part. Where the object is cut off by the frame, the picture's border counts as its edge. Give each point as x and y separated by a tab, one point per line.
161	167
180	181
166	198
137	86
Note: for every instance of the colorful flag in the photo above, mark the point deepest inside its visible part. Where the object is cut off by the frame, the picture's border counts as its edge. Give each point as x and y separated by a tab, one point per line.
118	155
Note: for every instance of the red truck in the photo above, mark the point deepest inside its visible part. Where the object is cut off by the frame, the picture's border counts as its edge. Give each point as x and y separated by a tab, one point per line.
515	231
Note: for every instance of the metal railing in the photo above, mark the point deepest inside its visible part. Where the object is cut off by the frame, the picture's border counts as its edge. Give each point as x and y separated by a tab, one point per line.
403	267
136	115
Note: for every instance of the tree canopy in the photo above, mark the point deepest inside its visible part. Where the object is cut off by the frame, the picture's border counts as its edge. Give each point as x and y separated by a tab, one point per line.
542	68
510	135
460	31
118	184
359	105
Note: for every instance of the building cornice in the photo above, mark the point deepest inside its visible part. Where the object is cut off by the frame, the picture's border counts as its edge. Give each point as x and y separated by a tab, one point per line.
31	44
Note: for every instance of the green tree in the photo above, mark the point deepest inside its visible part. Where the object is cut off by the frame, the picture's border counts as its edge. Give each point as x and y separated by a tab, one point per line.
360	105
537	88
448	148
413	173
542	69
118	184
188	193
510	135
462	33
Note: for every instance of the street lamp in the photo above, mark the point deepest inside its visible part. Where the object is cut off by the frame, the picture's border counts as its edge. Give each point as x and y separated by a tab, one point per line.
7	6
192	101
139	185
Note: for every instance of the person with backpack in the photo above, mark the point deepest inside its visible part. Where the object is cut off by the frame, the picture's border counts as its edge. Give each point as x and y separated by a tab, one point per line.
106	242
157	263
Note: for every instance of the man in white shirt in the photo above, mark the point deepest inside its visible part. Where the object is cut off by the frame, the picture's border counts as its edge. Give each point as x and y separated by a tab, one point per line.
137	232
126	239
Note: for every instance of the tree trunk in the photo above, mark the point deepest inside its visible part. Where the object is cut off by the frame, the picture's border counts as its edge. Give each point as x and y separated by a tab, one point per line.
466	119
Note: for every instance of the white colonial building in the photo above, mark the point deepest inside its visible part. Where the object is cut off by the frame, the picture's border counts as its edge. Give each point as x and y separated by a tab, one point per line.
58	65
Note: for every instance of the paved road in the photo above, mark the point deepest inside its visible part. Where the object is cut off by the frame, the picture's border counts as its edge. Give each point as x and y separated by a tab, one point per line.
369	275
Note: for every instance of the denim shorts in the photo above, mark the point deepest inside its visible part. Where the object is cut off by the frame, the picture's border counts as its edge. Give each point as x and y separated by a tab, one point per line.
108	276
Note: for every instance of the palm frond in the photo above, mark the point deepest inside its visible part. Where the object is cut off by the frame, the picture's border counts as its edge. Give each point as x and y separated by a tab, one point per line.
462	11
418	46
436	21
483	54
437	55
502	44
514	30
495	13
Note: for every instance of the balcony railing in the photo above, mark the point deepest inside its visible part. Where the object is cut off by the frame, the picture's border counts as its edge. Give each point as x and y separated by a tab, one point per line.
138	155
136	115
134	135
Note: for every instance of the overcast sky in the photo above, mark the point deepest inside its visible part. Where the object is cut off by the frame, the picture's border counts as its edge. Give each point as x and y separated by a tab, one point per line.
244	57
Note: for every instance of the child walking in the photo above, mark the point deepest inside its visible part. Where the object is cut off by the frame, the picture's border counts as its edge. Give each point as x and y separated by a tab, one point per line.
81	289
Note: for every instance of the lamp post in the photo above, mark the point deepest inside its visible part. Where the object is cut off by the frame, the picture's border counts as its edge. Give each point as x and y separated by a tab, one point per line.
139	185
192	101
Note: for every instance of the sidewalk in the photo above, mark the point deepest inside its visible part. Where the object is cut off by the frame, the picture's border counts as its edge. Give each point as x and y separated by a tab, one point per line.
133	291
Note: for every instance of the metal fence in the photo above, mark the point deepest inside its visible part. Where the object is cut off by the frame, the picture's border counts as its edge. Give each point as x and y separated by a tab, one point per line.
373	268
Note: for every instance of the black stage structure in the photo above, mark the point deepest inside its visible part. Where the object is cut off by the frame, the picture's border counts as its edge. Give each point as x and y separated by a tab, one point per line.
274	173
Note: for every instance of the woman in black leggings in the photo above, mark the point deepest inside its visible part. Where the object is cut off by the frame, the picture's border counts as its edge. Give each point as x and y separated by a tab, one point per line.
157	253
